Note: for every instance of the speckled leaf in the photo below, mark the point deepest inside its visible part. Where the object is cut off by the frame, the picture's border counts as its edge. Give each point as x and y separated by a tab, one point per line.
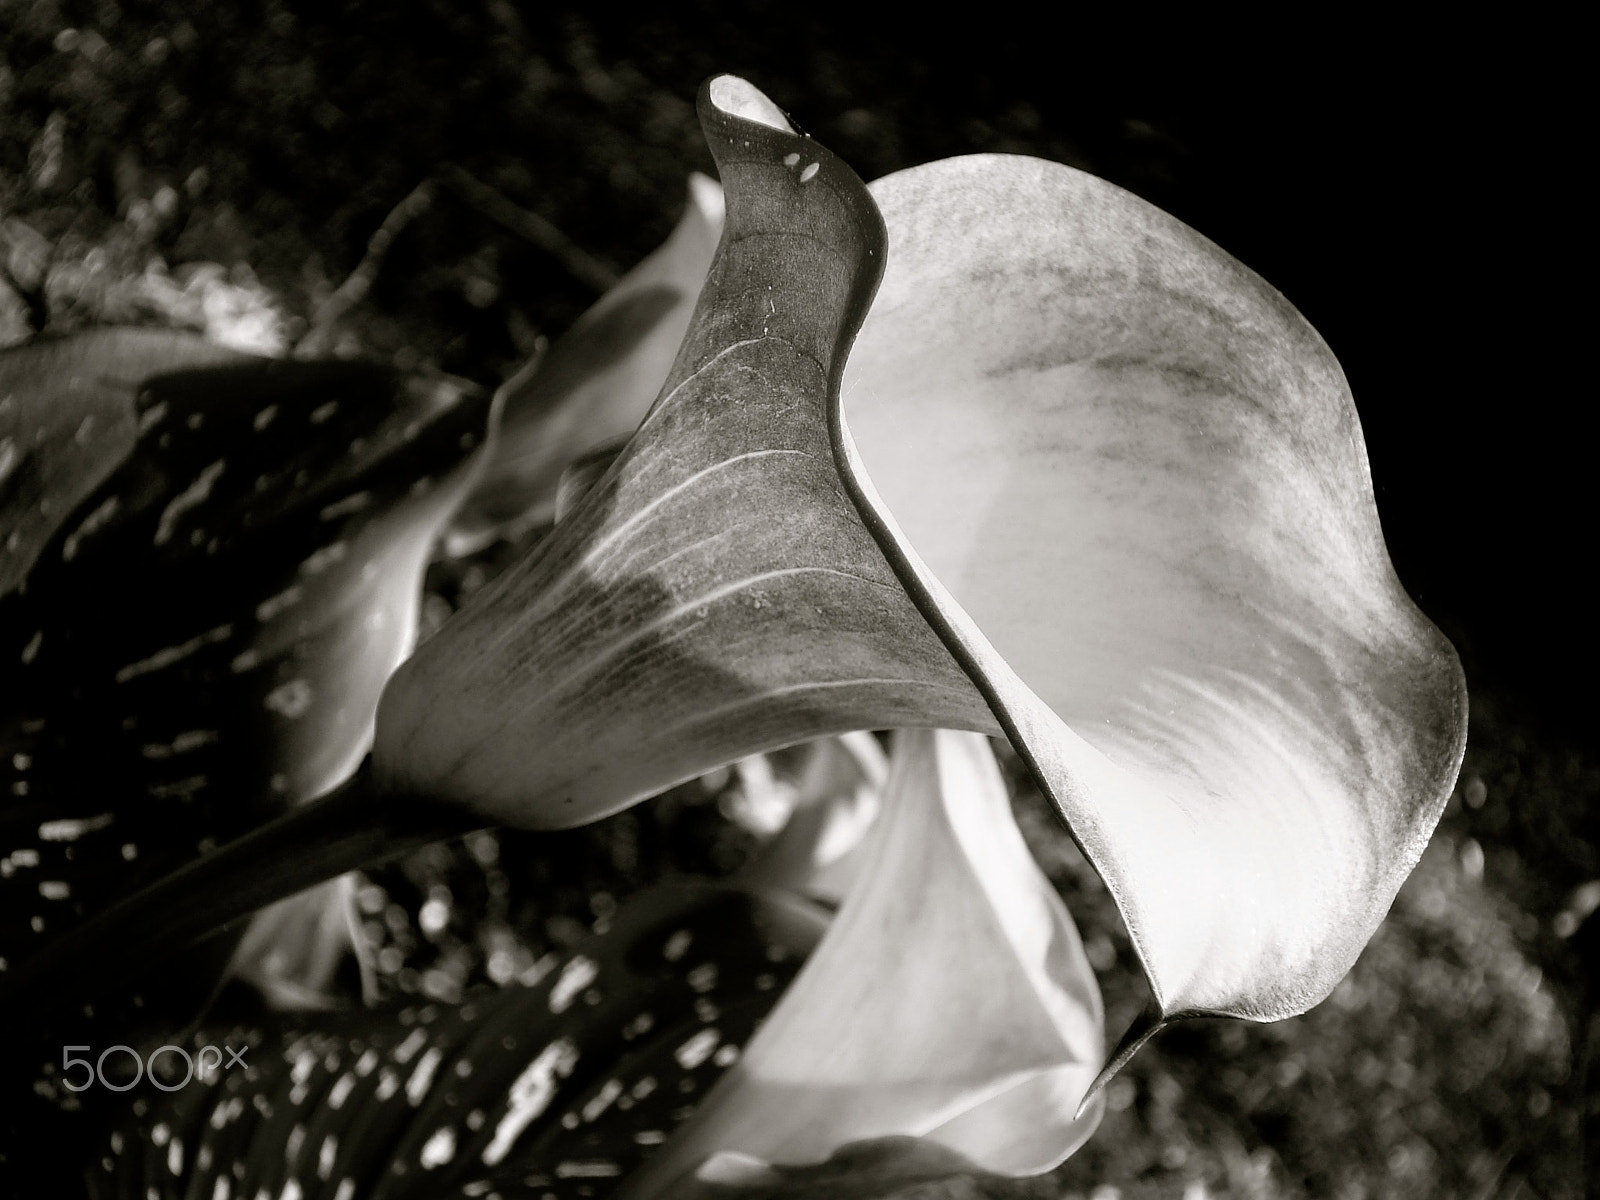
201	639
950	1000
68	418
597	381
568	1079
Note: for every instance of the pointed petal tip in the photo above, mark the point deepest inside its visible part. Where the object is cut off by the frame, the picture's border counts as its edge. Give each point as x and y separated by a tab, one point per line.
739	98
1145	1026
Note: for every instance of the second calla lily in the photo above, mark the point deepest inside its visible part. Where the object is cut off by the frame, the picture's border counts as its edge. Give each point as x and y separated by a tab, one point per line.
950	1000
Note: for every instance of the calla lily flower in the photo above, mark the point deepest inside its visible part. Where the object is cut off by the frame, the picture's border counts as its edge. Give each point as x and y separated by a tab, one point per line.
1084	481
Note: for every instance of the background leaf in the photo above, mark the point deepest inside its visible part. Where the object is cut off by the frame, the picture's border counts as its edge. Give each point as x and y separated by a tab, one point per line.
596	382
202	637
552	1086
68	418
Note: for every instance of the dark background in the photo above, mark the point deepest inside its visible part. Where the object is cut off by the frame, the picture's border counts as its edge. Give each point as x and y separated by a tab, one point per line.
1412	189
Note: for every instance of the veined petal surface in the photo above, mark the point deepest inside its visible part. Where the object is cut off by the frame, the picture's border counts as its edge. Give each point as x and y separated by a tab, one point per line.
715	594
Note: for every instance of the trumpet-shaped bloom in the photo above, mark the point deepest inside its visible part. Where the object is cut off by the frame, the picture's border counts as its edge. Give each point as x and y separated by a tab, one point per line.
1108	497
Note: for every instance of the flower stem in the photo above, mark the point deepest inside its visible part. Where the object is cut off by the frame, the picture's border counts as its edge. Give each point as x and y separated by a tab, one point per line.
352	826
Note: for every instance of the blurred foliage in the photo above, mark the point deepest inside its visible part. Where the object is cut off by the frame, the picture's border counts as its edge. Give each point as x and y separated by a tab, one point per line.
223	167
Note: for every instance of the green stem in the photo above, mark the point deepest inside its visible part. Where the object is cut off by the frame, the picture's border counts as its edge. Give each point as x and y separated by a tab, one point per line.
353	826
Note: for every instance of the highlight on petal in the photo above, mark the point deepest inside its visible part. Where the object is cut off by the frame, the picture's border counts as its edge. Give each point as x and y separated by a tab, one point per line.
741	98
1138	471
951	999
596	382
